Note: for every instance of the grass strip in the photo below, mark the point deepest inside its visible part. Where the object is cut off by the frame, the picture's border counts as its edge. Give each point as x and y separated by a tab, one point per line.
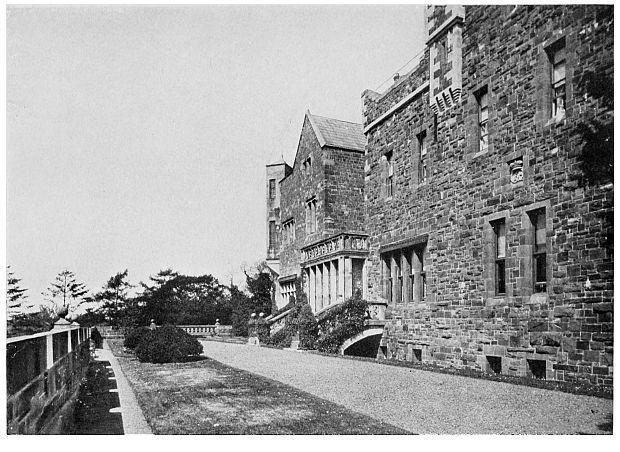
206	397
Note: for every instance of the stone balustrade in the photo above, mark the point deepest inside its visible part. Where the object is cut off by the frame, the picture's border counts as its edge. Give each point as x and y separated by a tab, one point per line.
207	330
44	372
345	242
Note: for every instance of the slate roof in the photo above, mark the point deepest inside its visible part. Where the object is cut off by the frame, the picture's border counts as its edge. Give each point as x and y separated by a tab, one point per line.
338	134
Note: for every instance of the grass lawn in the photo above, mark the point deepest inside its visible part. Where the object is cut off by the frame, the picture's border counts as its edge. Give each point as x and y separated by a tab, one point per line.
208	397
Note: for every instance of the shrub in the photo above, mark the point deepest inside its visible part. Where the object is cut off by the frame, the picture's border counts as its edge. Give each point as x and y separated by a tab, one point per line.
258	328
167	344
340	323
299	322
135	335
281	338
306	326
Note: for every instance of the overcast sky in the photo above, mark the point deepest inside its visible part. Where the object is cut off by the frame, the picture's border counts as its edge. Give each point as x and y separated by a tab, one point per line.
138	136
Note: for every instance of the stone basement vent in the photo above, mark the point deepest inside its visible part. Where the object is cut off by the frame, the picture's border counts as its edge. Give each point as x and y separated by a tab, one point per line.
538	367
495	364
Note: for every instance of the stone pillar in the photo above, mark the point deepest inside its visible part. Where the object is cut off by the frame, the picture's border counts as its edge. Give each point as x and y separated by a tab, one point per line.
365	279
341	278
333	282
306	284
49	351
394	276
417	266
326	277
319	287
406	269
348	278
311	292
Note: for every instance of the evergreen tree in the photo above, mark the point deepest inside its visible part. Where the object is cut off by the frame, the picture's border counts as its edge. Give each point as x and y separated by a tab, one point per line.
114	296
180	299
15	294
65	293
259	285
242	308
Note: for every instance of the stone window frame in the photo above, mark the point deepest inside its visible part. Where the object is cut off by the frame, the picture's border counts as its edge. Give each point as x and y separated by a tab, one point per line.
422	141
526	252
544	114
421	136
489	255
287	290
404	273
272	189
500	261
388	181
273	235
558	48
480	94
288	228
311	216
307	164
472	122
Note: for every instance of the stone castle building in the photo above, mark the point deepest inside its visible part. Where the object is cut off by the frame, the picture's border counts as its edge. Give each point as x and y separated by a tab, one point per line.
320	241
474	207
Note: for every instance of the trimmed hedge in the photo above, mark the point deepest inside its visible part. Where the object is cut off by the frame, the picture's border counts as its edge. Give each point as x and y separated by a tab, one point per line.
167	344
134	336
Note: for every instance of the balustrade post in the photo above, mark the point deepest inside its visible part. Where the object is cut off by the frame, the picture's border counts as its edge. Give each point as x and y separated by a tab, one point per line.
69	345
49	351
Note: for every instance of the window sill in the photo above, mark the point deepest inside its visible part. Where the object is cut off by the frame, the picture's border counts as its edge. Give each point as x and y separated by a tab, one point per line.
480	153
497	300
556	119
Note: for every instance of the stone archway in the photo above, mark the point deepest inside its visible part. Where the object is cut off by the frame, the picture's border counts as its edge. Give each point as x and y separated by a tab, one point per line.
365	343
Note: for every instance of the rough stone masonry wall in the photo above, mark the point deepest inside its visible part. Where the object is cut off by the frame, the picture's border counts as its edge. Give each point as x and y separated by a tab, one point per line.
336	179
344	195
461	322
296	189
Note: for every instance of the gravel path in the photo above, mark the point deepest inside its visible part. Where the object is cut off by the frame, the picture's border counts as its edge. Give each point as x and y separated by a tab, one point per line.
421	401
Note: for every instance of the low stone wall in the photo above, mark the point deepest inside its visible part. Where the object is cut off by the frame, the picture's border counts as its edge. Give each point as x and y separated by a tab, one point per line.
57	361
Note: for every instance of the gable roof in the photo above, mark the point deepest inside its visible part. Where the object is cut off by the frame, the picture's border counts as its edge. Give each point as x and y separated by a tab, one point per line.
337	133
